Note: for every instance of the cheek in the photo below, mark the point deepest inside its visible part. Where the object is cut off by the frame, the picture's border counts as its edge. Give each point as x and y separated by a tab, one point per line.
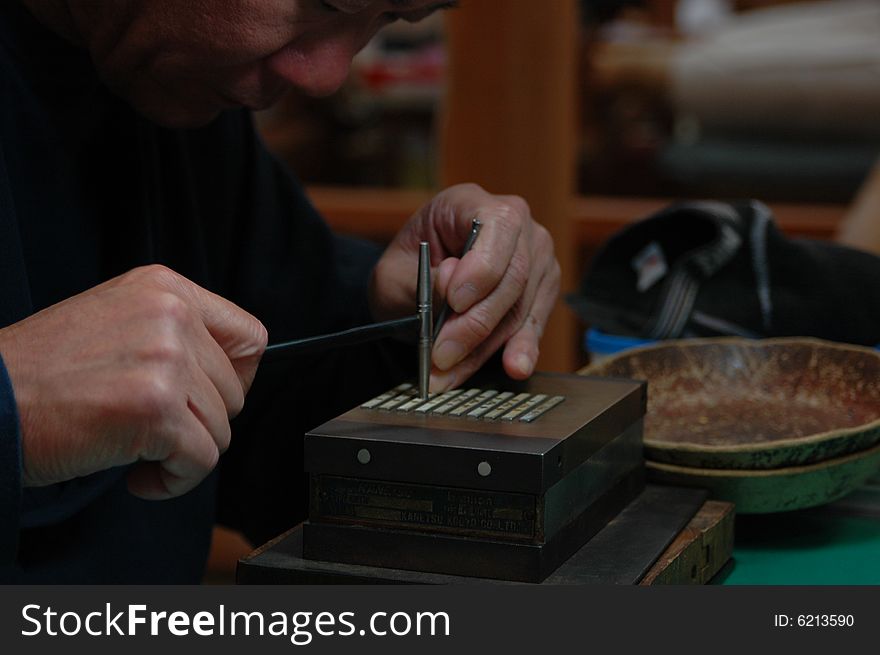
205	35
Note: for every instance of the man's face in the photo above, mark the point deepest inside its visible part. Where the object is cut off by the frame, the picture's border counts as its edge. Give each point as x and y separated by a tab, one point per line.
181	62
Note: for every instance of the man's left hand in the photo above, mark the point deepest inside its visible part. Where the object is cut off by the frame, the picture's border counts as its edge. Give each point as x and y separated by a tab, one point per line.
501	292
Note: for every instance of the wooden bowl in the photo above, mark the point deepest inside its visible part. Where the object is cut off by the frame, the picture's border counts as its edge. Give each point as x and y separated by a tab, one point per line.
742	404
778	490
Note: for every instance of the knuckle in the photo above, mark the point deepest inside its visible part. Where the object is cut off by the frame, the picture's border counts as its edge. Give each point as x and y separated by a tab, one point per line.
517	316
507	216
157	274
166	352
479	324
518	205
168	308
513	321
142	408
518	270
468	188
543	239
537	328
488	266
156	396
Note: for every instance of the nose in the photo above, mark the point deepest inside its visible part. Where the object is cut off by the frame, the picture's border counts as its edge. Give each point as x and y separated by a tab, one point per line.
318	65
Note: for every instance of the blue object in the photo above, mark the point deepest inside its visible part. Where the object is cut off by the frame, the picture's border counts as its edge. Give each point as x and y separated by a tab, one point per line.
601	343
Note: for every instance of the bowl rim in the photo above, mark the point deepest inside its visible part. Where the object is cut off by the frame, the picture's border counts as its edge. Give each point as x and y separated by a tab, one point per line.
765	473
689	447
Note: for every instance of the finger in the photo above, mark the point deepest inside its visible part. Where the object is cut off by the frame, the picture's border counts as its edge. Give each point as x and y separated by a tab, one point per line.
208	407
473	327
442	275
458	374
482	269
238	333
443	380
523	327
522	349
241	336
175	464
220	372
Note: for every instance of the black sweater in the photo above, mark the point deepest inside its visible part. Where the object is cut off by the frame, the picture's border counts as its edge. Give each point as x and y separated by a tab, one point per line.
88	190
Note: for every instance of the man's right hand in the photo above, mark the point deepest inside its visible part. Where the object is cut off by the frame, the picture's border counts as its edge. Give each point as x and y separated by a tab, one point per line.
147	368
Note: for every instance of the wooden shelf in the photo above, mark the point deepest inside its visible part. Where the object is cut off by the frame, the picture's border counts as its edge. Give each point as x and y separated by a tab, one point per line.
378	214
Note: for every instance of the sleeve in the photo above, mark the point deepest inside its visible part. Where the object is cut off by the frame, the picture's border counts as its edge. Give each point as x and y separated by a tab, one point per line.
267	247
10	470
285	266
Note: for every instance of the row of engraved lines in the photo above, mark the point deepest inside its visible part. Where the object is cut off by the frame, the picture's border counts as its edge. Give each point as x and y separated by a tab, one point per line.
487	404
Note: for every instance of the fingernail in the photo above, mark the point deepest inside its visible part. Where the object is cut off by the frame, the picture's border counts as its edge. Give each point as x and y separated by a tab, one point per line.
447	354
463	297
524	364
441	382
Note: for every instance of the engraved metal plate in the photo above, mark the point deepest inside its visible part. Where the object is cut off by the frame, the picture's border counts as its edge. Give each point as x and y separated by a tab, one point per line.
399	399
522	408
506	406
410	405
484	407
388	395
464	408
482	404
546	406
455	402
437	401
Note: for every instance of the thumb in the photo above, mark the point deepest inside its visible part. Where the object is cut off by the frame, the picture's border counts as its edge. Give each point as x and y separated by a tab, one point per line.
240	334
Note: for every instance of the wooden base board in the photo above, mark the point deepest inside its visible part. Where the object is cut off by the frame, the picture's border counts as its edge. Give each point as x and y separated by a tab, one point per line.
700	551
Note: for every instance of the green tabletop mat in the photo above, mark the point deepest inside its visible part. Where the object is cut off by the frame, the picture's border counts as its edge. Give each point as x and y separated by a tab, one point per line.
836	544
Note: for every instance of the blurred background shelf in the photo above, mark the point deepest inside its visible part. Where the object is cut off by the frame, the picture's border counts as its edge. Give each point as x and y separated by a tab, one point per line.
600	112
378	214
